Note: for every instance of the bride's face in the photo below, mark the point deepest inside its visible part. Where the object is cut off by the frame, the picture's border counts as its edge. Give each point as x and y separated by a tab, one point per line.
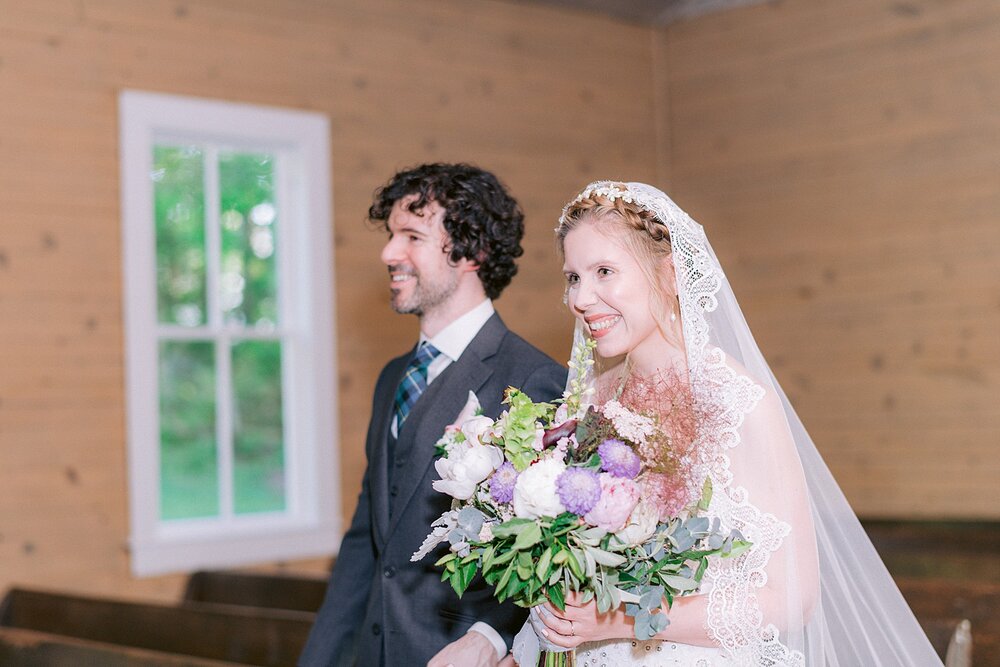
608	292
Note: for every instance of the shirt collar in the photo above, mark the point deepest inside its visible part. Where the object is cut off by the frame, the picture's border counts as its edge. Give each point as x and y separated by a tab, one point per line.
454	338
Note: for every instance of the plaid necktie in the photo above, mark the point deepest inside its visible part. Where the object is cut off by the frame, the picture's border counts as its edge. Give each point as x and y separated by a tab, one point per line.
414	381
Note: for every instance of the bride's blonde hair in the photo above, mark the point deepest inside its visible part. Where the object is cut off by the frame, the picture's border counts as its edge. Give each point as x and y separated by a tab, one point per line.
643	235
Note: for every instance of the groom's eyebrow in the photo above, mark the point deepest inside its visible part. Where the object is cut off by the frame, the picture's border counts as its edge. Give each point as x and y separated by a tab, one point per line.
408	229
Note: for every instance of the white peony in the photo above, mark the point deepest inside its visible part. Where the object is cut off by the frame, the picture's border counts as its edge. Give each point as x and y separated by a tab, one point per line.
466	465
476	427
535	492
469	411
641	524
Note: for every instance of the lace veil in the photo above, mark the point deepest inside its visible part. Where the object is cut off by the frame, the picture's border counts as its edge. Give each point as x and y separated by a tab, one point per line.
811	590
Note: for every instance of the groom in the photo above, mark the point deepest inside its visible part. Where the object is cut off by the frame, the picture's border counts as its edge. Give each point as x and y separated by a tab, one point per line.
453	235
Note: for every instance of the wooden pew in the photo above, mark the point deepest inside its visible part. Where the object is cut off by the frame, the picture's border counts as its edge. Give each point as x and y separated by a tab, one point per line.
28	648
273	591
936	599
955	550
242	635
939	604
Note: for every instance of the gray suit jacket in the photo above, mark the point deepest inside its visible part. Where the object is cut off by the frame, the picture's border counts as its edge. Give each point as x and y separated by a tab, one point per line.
381	609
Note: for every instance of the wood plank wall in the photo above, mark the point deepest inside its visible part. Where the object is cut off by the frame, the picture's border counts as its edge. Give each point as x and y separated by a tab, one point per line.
518	90
843	157
845	160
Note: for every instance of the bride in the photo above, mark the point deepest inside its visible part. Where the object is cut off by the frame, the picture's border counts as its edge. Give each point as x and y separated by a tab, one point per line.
644	283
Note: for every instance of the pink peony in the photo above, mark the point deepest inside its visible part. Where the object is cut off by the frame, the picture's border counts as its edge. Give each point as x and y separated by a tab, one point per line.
618	498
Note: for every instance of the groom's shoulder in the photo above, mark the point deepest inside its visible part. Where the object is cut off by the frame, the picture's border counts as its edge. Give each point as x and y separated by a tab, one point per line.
516	349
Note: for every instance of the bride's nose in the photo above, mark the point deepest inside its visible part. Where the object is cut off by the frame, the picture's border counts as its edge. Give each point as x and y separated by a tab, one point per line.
585	296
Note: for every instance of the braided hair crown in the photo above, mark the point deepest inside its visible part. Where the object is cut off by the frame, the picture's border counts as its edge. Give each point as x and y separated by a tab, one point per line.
601	198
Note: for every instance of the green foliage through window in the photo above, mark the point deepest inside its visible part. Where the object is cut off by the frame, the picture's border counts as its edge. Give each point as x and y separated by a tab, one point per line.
247	299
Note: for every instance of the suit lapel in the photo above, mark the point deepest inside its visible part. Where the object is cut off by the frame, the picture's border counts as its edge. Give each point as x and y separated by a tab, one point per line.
438	406
379	462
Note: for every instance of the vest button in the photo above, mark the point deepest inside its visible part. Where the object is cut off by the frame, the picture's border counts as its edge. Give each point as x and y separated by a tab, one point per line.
389	572
394	490
376	629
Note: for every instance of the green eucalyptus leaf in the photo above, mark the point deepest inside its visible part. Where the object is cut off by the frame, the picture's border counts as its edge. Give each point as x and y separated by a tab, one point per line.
605	558
444	559
575	563
679	583
502	584
488	556
542	568
558	597
528	537
510	528
504	557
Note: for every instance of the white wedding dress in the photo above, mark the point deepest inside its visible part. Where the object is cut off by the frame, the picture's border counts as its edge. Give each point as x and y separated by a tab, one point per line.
811	590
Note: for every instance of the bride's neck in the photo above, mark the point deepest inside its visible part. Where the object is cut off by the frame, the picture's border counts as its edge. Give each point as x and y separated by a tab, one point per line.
654	357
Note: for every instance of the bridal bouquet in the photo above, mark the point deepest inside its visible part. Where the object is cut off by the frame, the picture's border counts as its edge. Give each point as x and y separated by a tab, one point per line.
548	500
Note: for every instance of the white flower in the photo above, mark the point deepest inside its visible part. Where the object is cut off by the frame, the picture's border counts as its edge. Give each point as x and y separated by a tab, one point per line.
535	492
629	425
641	524
486	533
469	410
475	427
538	444
466	465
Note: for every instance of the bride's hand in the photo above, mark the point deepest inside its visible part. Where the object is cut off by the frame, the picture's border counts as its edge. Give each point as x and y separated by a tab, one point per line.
583	623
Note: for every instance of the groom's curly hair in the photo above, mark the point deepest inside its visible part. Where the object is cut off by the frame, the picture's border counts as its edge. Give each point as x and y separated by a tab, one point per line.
484	222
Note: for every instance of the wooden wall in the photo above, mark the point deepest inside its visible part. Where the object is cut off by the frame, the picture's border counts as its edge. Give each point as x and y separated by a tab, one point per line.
845	160
517	90
843	157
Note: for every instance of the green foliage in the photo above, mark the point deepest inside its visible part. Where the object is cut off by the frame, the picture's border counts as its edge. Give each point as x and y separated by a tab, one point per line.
535	561
258	439
520	424
189	484
179	212
188	467
672	564
246	180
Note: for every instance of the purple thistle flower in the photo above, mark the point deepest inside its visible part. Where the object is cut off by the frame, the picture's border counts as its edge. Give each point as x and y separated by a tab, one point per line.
502	483
619	459
579	489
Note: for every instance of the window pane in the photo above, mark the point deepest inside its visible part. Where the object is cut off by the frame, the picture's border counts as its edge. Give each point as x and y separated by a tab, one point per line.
179	196
249	221
259	453
188	465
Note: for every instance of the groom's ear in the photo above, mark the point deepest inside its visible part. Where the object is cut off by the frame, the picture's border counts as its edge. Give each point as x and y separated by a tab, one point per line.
466	265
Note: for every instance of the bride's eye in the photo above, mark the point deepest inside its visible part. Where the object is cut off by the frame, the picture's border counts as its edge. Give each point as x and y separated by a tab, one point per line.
572	279
604	272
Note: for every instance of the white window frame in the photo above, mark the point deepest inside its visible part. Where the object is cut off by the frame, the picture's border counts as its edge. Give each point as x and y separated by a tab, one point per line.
310	525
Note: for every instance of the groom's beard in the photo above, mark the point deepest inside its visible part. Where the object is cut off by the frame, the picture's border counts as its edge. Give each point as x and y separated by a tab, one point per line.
423	293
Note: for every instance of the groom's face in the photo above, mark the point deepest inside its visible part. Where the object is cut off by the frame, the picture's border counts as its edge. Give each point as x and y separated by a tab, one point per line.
416	254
